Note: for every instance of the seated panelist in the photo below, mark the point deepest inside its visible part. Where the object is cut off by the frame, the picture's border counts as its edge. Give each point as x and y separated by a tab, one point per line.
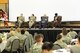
21	19
44	20
57	20
32	20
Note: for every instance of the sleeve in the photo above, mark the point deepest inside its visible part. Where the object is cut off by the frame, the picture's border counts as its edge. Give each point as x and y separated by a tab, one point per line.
8	43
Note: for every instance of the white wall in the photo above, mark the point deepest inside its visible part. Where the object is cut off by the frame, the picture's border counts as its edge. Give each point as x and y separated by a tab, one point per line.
68	9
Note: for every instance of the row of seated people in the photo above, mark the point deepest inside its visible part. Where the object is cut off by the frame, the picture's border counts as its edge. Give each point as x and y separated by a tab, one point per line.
23	36
36	45
43	23
63	41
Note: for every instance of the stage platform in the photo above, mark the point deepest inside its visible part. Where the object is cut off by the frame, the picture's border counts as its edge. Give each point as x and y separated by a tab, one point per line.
7	29
50	34
67	24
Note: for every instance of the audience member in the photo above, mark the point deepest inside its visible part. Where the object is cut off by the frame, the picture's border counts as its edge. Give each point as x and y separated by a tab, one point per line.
18	31
22	37
0	40
21	20
30	38
76	47
65	37
44	20
9	41
32	20
72	33
36	48
60	42
47	47
9	34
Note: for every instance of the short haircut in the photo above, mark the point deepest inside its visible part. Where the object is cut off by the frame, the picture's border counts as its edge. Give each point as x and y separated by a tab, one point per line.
71	29
38	36
56	14
64	31
22	31
78	38
59	37
47	46
0	40
12	33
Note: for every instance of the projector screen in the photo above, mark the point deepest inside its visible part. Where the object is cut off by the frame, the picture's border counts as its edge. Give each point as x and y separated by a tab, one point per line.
68	9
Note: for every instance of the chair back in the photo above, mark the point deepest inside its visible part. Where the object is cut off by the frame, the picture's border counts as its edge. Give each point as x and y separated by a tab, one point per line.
15	45
56	46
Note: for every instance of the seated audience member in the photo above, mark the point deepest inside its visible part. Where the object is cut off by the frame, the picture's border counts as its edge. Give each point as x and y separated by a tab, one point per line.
0	40
77	35
9	41
65	37
60	42
22	37
47	47
76	47
18	31
36	48
32	20
72	33
44	20
9	34
30	37
21	20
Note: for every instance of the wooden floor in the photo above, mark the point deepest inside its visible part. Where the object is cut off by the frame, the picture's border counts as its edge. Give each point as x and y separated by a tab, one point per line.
10	24
74	24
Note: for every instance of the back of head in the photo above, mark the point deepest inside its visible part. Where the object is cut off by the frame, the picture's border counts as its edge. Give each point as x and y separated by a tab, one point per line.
64	31
59	37
78	38
12	33
11	29
47	46
39	37
18	29
71	29
0	40
22	31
